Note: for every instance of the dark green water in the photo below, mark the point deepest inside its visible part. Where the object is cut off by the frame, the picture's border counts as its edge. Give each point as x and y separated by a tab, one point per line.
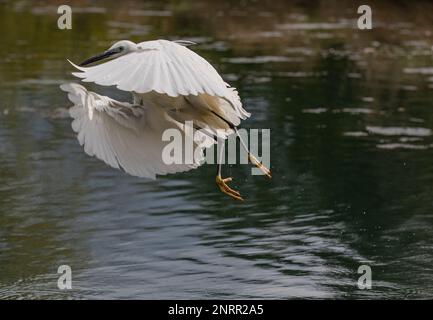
351	122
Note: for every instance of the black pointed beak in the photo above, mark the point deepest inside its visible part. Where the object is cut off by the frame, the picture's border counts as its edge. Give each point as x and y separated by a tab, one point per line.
99	57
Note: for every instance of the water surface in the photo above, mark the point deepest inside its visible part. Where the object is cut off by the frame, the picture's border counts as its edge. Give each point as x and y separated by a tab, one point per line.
350	114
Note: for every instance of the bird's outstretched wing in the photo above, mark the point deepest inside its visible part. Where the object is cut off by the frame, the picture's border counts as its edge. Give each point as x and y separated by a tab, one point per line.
121	134
165	67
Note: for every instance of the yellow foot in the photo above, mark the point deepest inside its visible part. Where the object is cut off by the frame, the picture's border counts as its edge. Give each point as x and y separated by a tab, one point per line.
259	165
222	184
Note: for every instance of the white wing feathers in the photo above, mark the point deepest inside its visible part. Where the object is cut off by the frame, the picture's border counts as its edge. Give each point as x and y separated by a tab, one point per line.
121	134
171	84
165	67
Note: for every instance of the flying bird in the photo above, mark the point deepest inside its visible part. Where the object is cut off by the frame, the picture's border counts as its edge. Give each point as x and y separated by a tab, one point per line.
170	84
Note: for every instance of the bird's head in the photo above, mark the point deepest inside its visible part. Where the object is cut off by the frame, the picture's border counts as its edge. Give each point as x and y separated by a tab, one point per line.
118	49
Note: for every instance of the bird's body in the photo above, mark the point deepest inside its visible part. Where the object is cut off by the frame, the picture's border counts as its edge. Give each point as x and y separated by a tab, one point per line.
170	84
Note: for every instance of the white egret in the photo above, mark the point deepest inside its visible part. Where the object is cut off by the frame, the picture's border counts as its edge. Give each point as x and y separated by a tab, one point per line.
170	84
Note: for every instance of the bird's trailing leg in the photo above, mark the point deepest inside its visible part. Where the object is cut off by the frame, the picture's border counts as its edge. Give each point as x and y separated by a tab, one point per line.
222	182
251	158
259	165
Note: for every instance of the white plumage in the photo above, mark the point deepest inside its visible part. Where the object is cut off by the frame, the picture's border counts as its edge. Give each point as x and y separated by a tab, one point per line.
164	67
121	134
170	84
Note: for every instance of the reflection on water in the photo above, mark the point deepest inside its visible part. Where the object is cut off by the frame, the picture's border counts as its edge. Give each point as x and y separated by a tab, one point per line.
350	118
